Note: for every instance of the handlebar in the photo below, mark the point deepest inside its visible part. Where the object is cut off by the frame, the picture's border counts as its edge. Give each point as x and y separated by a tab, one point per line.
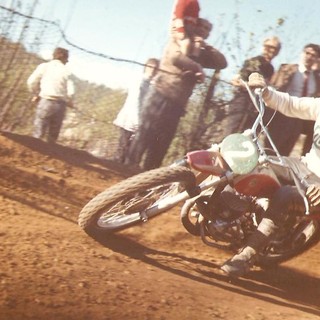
257	100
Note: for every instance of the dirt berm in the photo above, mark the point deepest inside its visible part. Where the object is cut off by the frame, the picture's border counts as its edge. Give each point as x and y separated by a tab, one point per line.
50	269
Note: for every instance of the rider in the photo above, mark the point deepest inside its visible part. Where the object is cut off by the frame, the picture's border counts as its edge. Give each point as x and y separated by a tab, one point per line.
288	198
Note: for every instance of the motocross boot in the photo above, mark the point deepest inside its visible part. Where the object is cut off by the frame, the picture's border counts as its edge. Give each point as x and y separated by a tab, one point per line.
241	263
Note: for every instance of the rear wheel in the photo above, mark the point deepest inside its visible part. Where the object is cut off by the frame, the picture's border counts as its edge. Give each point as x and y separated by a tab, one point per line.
123	204
288	244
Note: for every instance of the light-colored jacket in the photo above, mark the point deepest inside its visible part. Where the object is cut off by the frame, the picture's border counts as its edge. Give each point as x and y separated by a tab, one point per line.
128	116
302	108
51	80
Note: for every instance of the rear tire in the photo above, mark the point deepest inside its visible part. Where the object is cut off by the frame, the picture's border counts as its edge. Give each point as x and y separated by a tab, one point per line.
277	253
119	206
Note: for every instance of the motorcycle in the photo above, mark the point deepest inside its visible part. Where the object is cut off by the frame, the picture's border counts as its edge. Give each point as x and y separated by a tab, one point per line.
199	182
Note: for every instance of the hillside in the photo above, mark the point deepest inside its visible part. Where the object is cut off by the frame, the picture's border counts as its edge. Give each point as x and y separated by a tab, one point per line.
50	269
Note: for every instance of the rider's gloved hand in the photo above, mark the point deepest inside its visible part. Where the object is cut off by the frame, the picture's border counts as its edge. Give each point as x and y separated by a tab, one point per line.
256	80
313	195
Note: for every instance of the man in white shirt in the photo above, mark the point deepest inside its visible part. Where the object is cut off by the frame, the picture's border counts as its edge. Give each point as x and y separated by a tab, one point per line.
288	196
52	87
128	117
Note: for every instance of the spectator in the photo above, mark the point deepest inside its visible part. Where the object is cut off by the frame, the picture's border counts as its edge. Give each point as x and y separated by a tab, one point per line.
53	89
167	98
316	66
128	117
184	19
301	81
242	112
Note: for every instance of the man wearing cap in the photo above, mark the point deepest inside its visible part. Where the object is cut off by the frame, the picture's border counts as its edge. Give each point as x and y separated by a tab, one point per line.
242	113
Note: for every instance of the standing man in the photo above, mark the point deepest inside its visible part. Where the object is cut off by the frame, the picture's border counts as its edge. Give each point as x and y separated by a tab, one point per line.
242	112
128	117
298	80
167	98
53	90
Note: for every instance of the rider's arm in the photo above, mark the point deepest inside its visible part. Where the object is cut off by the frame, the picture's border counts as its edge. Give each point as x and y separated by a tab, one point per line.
303	108
313	195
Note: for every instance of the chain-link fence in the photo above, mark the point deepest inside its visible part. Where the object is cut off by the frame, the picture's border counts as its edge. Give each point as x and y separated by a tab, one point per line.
89	125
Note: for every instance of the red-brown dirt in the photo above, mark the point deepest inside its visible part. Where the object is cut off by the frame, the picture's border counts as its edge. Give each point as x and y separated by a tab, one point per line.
50	269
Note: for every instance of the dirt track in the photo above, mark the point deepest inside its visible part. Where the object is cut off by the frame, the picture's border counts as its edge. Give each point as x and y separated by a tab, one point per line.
50	269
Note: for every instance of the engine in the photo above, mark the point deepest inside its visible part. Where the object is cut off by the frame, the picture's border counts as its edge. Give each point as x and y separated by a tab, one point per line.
225	217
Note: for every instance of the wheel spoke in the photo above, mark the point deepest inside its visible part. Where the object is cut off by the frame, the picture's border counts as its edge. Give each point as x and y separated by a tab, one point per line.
127	209
134	200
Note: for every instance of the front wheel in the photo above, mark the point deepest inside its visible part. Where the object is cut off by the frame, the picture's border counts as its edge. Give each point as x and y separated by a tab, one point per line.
123	204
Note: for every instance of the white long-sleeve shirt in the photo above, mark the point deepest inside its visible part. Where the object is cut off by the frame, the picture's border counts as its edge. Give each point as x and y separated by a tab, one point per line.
128	116
51	80
303	108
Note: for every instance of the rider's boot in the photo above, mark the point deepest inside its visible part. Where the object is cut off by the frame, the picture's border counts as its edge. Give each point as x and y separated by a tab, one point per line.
241	263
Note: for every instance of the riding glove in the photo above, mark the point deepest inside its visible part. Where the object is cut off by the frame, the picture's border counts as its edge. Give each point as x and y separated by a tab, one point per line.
313	195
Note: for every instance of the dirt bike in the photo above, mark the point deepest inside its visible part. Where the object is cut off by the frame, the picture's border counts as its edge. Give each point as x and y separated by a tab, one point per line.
198	182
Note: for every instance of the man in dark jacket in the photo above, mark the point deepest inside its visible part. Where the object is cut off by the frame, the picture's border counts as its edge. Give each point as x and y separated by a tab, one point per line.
298	80
167	98
242	112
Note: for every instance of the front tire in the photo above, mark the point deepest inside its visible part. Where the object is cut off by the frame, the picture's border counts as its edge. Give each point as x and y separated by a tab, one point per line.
120	206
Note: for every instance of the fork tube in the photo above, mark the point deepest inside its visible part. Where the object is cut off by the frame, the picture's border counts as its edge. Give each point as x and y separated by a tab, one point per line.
170	202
